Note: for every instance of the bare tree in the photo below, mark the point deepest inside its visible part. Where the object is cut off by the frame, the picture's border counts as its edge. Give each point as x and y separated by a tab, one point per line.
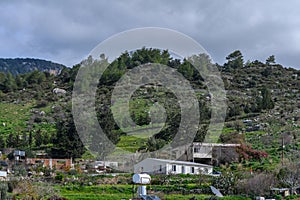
258	184
289	175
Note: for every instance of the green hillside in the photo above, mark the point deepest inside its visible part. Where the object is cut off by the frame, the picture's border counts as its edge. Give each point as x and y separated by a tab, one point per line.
262	97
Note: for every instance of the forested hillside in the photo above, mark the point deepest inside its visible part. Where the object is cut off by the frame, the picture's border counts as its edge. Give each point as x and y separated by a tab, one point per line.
17	66
263	100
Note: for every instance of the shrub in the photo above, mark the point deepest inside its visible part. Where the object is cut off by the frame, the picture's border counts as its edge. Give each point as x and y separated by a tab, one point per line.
41	104
247	153
3	190
226	183
258	185
72	172
27	189
59	177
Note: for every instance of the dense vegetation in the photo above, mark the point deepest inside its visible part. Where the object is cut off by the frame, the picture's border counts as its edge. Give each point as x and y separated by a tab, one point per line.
263	101
73	185
33	117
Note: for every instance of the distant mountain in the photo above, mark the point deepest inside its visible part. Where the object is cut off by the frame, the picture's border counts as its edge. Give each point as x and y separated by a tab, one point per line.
24	65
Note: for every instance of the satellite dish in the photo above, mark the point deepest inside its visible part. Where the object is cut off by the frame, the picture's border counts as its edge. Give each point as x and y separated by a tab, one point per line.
216	191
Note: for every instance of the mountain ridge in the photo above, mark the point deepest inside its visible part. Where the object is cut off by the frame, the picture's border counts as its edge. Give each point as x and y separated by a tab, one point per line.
17	66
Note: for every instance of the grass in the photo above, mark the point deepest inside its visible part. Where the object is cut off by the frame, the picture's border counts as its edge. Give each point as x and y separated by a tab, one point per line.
13	117
112	192
81	196
144	131
96	192
227	130
131	143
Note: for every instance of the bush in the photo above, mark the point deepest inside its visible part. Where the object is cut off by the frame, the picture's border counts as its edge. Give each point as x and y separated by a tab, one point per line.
12	184
72	172
3	190
47	171
27	189
55	197
258	185
247	153
59	177
41	104
226	183
292	197
20	170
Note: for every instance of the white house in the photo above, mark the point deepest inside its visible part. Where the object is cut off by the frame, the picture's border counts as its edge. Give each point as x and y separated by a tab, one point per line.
162	166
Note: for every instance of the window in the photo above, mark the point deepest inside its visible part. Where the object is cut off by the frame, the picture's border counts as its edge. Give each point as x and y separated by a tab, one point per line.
39	161
160	168
196	150
174	168
61	162
192	170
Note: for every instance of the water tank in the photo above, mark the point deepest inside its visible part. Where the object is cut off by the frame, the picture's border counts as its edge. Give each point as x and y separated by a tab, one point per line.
141	178
142	190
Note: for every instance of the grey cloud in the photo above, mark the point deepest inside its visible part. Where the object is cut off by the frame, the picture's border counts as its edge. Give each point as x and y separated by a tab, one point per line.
66	31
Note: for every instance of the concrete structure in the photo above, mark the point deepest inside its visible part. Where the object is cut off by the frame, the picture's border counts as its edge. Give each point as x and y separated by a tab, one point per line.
19	155
142	180
207	153
105	164
51	163
162	166
204	150
41	154
3	175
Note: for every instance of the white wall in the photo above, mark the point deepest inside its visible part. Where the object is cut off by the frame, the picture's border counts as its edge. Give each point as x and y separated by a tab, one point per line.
3	174
153	166
187	169
150	166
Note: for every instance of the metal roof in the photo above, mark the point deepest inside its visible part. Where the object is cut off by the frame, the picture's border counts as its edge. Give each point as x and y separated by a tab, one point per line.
179	162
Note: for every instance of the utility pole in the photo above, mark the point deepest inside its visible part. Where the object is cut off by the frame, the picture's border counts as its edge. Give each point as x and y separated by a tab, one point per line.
193	152
282	150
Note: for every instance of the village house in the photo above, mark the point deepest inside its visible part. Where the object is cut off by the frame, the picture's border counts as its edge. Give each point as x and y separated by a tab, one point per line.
213	152
162	166
207	153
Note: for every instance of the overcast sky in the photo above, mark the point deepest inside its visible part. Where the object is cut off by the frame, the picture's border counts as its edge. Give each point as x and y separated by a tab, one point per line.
66	31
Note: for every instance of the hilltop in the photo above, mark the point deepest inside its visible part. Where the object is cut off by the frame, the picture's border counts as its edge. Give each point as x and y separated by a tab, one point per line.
17	66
